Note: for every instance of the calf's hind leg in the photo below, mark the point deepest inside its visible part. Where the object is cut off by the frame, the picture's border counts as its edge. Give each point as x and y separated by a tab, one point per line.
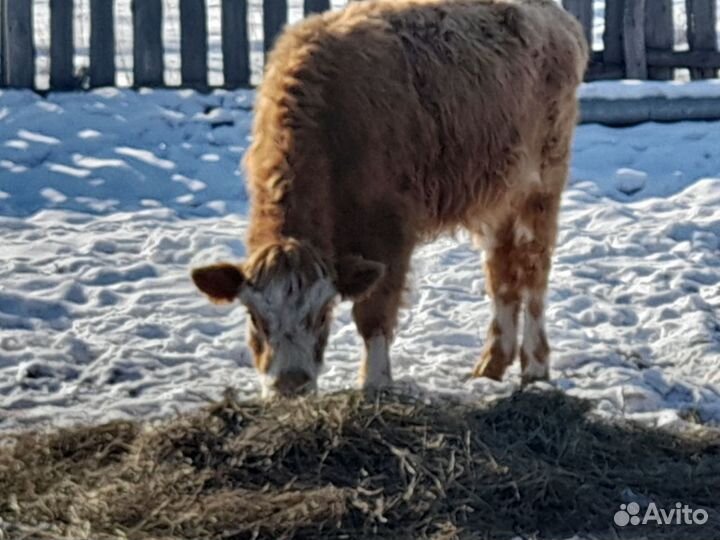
518	261
540	217
502	275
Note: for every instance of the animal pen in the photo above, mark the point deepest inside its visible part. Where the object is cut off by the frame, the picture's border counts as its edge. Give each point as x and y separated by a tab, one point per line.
632	39
111	364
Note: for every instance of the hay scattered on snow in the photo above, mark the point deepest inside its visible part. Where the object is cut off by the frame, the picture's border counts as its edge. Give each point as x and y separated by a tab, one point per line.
344	466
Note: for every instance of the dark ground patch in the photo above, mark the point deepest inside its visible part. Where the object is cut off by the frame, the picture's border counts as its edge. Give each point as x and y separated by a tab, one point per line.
535	465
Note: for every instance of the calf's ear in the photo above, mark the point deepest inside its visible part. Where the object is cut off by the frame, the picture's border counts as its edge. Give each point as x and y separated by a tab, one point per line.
221	282
357	277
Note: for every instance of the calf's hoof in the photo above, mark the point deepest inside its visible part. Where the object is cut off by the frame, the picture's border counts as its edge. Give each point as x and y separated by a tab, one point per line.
378	382
530	377
490	367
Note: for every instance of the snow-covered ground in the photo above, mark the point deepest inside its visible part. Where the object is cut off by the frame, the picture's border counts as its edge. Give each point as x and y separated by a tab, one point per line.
108	198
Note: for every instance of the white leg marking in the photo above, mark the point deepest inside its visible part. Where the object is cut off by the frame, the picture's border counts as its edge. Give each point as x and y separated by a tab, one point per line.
266	391
377	363
508	329
533	328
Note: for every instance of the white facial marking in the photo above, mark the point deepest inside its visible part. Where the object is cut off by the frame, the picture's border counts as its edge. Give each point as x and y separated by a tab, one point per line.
506	321
285	308
377	362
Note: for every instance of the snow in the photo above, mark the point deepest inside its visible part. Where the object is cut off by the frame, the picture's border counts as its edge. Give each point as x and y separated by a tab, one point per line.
107	199
630	181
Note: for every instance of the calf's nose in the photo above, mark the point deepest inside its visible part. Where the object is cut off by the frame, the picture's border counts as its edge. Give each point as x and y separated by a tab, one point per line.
292	383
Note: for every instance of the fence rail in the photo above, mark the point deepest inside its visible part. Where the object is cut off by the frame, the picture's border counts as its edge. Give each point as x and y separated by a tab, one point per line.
638	41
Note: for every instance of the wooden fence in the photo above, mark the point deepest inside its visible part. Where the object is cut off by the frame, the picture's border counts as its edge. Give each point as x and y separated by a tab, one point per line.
638	41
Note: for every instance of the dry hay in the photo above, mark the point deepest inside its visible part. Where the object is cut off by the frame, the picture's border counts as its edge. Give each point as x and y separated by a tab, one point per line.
345	466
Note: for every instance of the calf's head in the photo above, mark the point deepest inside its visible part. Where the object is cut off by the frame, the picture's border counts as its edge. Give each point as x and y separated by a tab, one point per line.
289	291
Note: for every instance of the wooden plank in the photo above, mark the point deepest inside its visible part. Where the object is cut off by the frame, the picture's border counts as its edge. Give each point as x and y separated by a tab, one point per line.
147	47
634	42
274	19
235	43
625	112
583	12
603	72
659	34
102	43
18	51
701	33
193	43
61	45
613	35
316	6
597	57
2	42
665	59
708	60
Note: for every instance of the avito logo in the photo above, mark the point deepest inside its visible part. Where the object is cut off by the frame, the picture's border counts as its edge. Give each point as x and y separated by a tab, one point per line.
629	514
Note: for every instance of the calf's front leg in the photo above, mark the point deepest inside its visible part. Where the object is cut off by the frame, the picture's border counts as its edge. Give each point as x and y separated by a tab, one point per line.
375	318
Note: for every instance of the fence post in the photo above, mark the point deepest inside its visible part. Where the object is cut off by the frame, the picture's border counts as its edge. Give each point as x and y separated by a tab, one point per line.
274	18
18	56
659	34
583	12
102	43
193	43
235	43
61	45
147	42
613	36
701	34
2	42
634	42
315	6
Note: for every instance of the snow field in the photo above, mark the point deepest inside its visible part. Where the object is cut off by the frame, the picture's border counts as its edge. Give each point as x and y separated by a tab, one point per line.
107	199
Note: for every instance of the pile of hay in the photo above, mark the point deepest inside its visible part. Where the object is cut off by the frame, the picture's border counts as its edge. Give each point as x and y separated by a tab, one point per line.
344	466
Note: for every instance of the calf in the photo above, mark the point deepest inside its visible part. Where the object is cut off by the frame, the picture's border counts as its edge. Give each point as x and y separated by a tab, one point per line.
379	127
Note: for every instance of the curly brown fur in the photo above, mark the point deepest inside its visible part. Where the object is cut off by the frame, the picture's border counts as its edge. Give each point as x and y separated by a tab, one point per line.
391	121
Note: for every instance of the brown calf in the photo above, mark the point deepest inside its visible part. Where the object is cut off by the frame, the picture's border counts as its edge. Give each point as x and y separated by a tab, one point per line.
381	126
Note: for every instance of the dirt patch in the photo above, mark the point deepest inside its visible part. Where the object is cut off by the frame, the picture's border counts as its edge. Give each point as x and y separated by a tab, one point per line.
535	465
